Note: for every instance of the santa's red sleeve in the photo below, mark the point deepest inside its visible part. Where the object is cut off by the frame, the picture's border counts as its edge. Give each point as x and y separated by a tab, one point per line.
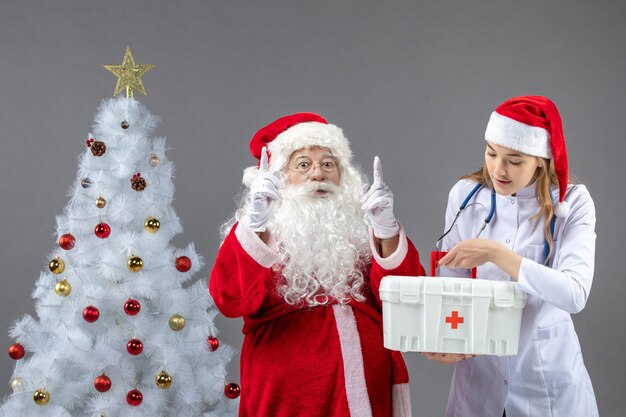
404	261
239	279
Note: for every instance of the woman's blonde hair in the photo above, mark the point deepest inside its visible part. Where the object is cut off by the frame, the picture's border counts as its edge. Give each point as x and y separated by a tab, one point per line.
545	176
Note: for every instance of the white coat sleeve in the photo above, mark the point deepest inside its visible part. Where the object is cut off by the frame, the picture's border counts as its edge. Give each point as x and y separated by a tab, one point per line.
454	236
567	284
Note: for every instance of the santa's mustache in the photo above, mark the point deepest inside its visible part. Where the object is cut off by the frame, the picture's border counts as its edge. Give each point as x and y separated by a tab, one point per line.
314	187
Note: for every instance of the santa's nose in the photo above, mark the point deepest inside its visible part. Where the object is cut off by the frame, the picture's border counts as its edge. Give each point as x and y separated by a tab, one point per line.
316	173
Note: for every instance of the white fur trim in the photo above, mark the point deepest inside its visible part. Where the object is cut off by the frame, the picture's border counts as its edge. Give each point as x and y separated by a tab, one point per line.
395	259
561	209
353	370
249	175
254	246
401	400
304	135
531	140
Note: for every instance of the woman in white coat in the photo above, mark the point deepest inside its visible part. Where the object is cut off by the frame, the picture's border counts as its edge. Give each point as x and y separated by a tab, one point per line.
542	235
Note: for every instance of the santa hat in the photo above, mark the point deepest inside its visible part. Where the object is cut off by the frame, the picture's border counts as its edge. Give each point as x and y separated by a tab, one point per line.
532	125
286	135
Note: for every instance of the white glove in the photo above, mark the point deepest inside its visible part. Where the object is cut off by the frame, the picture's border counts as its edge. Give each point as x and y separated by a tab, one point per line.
263	196
378	205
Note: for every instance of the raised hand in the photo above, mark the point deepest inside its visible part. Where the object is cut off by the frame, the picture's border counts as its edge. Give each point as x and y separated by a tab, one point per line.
264	192
377	202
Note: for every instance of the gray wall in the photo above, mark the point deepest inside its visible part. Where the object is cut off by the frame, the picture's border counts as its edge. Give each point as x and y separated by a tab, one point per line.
412	81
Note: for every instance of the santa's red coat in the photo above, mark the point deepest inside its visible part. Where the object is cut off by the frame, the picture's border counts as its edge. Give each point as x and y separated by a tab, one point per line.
326	361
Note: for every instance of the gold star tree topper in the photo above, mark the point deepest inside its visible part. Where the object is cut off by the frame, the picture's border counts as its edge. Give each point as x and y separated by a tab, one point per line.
129	75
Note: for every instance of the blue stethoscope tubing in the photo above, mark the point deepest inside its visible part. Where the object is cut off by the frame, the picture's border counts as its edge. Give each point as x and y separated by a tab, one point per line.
490	215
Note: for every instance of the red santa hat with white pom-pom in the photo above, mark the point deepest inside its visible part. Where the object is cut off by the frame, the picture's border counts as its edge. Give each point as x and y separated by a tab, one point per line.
287	134
532	125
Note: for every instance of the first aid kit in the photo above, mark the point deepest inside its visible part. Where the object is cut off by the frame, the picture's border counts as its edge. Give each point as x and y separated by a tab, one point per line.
451	315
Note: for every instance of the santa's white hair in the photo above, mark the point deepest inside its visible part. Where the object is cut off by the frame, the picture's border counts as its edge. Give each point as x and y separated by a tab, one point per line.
323	241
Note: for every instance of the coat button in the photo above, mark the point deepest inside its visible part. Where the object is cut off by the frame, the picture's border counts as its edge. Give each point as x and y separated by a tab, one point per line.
508	241
506	382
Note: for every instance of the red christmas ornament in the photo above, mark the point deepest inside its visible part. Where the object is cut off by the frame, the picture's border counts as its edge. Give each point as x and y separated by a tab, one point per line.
16	351
232	390
213	343
134	397
102	383
134	346
102	230
183	264
132	307
67	241
91	314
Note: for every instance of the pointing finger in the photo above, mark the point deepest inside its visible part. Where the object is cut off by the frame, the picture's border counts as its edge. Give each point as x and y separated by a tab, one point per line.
446	259
263	166
378	170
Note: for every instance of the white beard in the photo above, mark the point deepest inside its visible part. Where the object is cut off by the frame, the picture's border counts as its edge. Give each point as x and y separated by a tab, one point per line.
324	244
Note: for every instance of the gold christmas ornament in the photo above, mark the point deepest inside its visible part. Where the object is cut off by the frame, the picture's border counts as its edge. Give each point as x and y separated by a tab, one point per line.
135	263
152	224
154	160
63	288
41	397
56	266
129	75
177	322
101	202
163	380
17	384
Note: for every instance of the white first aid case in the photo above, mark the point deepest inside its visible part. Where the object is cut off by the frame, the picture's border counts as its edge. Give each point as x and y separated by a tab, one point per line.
451	315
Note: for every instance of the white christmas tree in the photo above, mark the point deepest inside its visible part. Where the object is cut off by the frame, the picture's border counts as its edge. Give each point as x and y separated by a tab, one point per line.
122	329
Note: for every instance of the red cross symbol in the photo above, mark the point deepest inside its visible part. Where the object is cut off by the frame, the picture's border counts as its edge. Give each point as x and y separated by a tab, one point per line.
454	320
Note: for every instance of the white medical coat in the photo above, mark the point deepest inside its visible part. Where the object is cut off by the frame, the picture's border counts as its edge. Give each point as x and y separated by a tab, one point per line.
547	377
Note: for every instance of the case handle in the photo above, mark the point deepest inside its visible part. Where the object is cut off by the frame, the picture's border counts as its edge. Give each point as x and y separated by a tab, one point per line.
435	256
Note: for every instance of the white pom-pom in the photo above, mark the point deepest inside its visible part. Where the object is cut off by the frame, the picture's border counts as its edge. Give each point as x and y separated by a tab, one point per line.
561	209
249	174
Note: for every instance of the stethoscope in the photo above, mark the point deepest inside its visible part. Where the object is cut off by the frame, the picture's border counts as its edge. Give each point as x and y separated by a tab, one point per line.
490	215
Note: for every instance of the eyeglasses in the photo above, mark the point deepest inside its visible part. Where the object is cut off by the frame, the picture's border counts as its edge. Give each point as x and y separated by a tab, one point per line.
305	167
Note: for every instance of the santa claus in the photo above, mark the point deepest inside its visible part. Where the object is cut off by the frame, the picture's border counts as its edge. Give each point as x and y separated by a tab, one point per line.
301	262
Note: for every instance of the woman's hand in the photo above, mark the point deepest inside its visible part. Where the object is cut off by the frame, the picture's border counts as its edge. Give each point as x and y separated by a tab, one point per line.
471	253
447	358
